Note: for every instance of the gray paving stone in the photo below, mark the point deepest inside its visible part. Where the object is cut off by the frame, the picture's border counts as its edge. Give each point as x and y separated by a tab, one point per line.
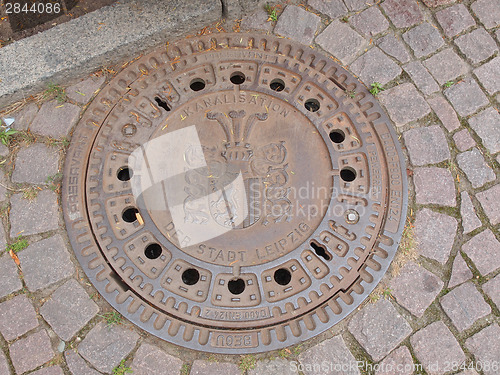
19	310
37	216
435	234
421	77
268	367
83	91
298	24
3	190
399	362
477	46
473	165
200	367
423	39
404	104
53	370
35	163
415	288
464	305
334	351
460	272
492	289
55	119
3	242
463	140
437	3
9	278
257	21
379	328
466	97
104	347
488	12
434	186
354	5
69	309
341	41
485	346
150	360
426	145
444	112
24	117
4	150
403	13
45	262
427	340
394	47
487	125
470	221
455	19
30	352
333	8
489	75
77	365
375	66
498	35
4	366
490	203
446	66
370	22
484	250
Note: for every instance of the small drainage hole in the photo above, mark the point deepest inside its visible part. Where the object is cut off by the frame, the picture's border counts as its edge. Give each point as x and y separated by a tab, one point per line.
312	105
348	174
130	214
124	174
190	276
162	103
277	84
320	251
237	78
152	251
236	286
282	276
197	84
337	136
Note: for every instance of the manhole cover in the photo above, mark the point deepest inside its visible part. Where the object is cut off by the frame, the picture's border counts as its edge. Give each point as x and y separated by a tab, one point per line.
235	193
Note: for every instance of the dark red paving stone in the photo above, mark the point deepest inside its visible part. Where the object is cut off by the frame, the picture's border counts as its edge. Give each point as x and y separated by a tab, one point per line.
455	19
489	75
446	66
399	362
333	8
404	104
415	288
9	278
477	45
478	172
375	66
484	250
460	272
19	310
485	346
55	119
421	77
434	185
423	39
488	12
403	13
394	47
487	125
463	140
490	201
77	365
379	328
200	367
435	234
464	305
445	112
31	352
370	22
428	339
150	360
470	221
83	91
492	289
427	145
466	97
298	24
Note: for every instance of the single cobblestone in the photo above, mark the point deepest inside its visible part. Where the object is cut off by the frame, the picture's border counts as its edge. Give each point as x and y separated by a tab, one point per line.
492	289
77	365
455	19
298	24
375	66
484	250
9	278
435	234
404	104
4	366
490	203
421	77
423	39
415	288
485	346
394	47
333	8
463	140
470	221
55	119
19	310
31	352
3	241
446	65
4	150
487	125
434	186
53	370
445	112
437	3
489	75
24	117
205	367
257	21
31	217
464	305
104	347
45	262
426	145
488	12
473	165
403	13
334	350
460	272
427	340
477	46
398	359
379	328
35	163
150	360
83	91
370	22
466	97
268	367
341	41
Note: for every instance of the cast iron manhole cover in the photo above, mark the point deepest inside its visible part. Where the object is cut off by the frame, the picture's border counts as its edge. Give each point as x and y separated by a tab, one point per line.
235	193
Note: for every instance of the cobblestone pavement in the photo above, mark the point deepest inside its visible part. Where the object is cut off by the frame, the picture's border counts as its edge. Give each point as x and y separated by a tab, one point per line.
439	306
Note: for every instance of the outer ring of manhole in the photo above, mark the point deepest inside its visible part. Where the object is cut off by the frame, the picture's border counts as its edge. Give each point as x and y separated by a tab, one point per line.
244	298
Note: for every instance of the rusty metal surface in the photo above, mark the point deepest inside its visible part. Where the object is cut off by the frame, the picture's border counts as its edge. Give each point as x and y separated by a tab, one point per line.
325	202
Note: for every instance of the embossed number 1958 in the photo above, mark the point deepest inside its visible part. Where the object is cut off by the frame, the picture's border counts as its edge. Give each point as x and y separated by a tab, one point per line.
33	8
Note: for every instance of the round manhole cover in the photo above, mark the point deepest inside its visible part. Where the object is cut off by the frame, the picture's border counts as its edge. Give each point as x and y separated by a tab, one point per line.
235	193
